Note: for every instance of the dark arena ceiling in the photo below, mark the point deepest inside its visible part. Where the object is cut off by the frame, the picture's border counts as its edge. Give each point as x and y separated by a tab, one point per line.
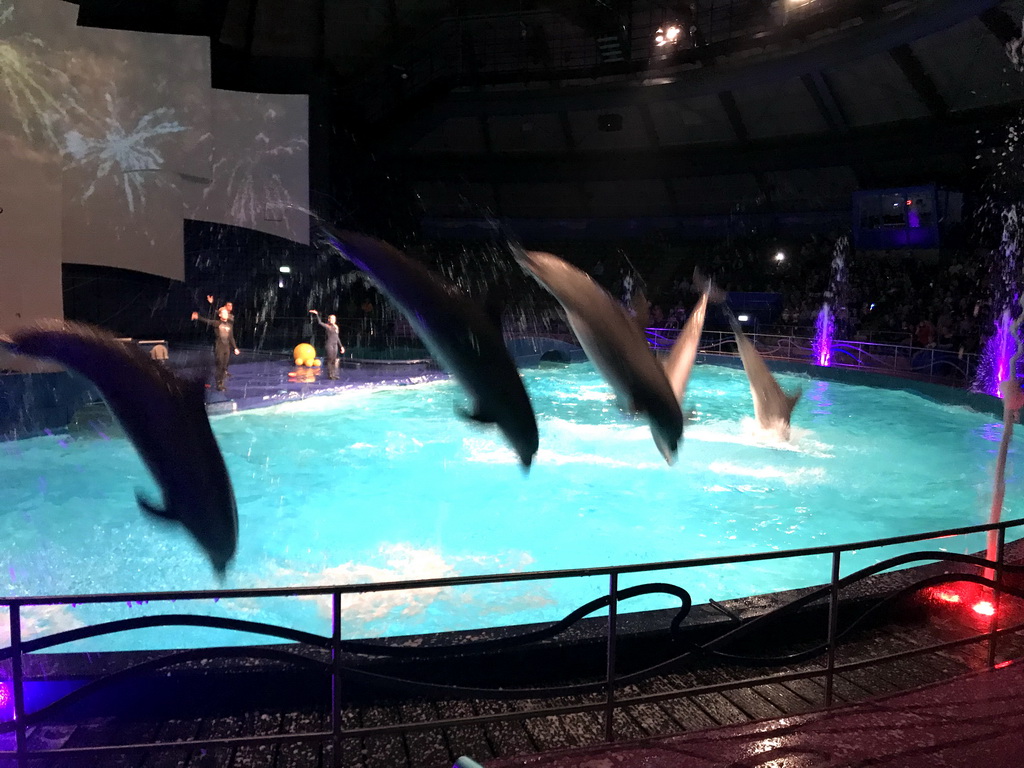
572	109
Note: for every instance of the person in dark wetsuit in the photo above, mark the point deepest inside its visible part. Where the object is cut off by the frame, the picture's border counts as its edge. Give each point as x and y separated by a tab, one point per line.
223	344
332	344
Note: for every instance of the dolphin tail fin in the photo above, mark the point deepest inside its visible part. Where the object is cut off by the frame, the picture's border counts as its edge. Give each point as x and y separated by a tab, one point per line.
706	285
149	507
641	308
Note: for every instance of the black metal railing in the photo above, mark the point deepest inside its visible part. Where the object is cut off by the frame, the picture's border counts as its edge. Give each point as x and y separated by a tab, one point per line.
893	359
335	653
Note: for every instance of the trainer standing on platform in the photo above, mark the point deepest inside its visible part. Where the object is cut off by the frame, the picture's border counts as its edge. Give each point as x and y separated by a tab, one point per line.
224	342
332	343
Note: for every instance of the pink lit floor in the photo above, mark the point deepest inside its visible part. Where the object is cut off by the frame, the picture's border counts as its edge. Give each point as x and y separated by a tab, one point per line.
973	721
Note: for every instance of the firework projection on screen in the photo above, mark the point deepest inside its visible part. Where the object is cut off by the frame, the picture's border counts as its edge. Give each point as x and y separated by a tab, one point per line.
254	182
118	152
142	141
37	95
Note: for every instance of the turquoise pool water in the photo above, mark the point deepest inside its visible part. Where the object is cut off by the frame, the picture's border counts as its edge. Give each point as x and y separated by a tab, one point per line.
388	484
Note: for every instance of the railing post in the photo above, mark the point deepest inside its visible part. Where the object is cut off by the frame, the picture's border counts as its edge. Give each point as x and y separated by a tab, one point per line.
997	592
18	685
609	708
336	678
833	624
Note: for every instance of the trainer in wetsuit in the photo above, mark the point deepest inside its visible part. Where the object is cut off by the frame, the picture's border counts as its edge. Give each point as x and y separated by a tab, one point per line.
224	342
332	343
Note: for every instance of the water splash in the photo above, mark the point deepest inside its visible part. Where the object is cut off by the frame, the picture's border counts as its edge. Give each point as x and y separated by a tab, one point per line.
995	357
1000	346
824	331
835	303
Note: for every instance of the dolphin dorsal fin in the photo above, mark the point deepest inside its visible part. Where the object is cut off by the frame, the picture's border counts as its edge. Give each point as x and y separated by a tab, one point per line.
641	309
794	399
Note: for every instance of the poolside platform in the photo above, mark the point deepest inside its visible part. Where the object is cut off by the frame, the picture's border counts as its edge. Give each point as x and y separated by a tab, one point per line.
260	380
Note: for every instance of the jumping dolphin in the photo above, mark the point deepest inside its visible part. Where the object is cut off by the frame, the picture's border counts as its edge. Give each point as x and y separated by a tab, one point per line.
614	343
165	418
772	406
456	331
683	355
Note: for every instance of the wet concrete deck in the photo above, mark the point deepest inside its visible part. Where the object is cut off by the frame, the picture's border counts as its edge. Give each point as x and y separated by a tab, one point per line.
956	723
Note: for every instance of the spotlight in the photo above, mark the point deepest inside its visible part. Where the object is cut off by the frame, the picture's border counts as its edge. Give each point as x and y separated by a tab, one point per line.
984	608
668	35
743	318
780	257
286	270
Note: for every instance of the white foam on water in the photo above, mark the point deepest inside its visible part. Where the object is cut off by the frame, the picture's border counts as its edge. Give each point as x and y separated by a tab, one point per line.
632	430
405	562
749	433
598	393
564	442
788	475
339	398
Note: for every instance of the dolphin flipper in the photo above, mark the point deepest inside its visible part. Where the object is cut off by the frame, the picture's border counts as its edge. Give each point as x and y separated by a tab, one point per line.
478	415
158	512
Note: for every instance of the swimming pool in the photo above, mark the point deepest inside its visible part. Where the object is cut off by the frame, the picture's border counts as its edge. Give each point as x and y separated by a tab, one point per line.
388	484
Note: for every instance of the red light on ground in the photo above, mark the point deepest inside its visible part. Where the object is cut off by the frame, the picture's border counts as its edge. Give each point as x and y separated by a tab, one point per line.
1003	664
985	608
948	597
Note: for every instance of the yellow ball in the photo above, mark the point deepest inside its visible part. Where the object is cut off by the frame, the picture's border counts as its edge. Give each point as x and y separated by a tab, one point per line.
303	353
316	363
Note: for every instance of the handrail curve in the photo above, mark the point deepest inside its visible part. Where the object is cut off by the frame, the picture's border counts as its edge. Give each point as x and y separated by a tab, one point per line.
169	620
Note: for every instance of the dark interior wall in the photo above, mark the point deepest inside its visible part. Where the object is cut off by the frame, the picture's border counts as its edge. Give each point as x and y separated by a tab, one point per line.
228	263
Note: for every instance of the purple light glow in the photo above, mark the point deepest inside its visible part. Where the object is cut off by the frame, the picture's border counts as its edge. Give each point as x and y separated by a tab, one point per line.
995	357
824	328
6	701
